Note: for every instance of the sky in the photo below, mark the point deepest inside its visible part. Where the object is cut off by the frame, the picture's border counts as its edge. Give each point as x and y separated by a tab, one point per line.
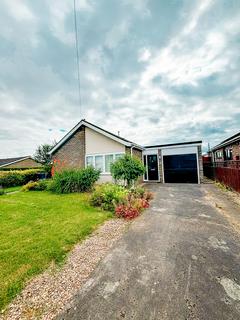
157	71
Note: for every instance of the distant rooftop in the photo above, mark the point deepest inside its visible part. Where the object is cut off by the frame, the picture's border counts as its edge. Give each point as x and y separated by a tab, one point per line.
227	141
6	161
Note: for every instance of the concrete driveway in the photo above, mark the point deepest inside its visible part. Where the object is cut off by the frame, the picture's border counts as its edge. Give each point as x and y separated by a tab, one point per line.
179	260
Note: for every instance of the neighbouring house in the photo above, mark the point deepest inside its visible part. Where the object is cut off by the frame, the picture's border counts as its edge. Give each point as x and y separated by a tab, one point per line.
224	164
228	149
87	144
19	163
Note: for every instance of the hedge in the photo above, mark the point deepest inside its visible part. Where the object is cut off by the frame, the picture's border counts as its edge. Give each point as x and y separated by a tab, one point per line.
14	178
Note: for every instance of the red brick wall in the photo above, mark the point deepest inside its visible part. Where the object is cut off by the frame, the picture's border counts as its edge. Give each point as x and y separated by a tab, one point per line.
138	154
236	151
135	152
72	153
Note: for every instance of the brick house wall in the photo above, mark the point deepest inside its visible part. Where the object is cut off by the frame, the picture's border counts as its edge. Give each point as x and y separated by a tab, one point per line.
135	152
219	159
160	168
24	164
200	163
138	154
72	152
235	152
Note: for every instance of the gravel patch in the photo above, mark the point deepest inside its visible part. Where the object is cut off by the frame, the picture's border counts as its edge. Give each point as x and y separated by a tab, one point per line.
52	291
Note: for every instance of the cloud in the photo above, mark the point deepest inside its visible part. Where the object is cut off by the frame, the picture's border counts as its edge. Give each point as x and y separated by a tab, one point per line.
18	10
157	72
144	55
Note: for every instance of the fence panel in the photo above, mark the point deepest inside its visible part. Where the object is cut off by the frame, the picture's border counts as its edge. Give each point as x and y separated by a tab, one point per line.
227	172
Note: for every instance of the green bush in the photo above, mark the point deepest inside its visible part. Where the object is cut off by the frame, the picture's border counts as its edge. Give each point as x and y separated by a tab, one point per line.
128	169
108	196
74	180
138	192
42	185
31	185
14	178
36	185
1	192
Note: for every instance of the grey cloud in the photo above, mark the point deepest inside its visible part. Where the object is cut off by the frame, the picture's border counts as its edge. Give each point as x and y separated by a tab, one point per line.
38	84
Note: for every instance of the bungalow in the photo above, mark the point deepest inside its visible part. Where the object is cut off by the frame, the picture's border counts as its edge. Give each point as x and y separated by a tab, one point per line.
19	163
87	144
228	149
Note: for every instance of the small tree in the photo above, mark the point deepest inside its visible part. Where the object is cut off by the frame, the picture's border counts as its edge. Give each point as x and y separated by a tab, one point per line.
41	155
128	169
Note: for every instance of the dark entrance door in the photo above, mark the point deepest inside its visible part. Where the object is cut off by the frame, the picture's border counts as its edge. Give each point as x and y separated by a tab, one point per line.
152	165
180	168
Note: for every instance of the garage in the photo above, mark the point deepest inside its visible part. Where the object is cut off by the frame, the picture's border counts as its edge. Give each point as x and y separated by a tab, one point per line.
180	168
173	163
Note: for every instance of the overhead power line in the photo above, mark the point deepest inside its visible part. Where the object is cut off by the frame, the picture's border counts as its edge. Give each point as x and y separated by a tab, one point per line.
77	57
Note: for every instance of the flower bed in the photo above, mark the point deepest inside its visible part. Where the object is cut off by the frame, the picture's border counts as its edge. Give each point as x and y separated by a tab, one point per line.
126	203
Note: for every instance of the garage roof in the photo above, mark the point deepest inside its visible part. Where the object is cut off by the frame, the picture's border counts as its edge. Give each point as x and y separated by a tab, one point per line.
174	144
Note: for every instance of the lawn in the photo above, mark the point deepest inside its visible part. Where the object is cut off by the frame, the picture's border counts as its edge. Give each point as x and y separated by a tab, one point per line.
12	189
37	228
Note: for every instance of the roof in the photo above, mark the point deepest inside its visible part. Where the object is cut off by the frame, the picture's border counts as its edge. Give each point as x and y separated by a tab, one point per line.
174	144
89	125
8	161
228	141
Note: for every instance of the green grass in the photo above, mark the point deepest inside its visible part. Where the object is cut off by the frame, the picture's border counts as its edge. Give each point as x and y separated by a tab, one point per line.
12	189
37	228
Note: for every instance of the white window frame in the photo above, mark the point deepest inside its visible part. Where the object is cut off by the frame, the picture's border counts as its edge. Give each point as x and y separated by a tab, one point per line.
104	159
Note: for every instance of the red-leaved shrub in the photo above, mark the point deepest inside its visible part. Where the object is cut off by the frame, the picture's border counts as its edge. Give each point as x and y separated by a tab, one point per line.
126	212
145	203
132	209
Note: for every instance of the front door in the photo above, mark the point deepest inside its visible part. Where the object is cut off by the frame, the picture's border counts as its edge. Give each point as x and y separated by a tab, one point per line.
152	167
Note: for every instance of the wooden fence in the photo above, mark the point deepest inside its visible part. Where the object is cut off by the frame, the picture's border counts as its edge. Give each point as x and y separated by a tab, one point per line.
226	172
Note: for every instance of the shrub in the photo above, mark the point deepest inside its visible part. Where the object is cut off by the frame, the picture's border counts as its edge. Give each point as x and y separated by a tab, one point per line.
42	185
137	200
108	195
1	192
18	177
148	195
35	185
126	212
128	169
138	192
74	180
31	185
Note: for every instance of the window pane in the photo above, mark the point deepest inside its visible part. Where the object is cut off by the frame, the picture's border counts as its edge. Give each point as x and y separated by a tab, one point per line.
108	161
99	162
118	155
89	161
